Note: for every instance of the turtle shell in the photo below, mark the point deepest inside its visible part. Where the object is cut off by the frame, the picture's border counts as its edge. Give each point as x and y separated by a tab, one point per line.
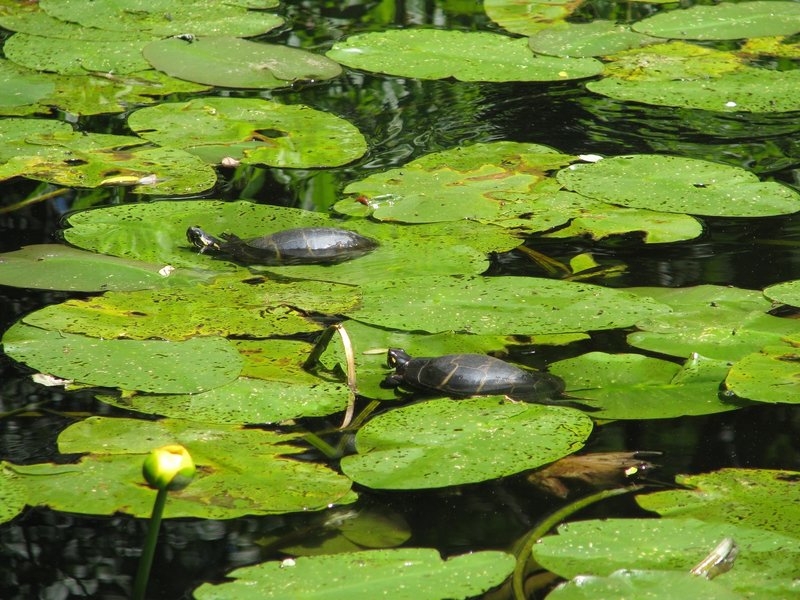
478	374
304	245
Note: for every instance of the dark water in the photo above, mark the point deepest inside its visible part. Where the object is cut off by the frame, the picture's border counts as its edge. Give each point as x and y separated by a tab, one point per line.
45	554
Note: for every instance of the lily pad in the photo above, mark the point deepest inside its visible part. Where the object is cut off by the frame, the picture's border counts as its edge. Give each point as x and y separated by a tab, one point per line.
51	151
402	574
13	496
31	19
240	471
500	305
680	185
597	38
236	63
57	267
445	442
632	386
195	365
466	56
254	307
19	88
529	16
717	322
757	498
251	130
75	57
771	375
787	292
162	17
765	567
725	21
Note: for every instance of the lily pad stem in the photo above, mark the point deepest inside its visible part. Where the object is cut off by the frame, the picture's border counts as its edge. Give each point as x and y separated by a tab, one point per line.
146	560
541	529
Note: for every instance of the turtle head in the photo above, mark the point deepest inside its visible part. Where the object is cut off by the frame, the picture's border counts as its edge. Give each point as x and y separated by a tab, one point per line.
200	239
397	359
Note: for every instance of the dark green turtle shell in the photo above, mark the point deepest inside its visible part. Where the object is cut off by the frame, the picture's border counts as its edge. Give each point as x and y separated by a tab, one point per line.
301	246
464	375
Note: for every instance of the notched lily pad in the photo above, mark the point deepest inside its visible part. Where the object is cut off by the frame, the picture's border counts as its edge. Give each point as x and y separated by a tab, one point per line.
236	63
252	131
466	56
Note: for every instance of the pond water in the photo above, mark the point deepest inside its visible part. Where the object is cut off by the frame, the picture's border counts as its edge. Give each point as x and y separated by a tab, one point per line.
55	555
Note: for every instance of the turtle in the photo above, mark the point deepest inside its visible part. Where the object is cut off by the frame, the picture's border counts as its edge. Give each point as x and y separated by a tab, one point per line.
300	246
462	375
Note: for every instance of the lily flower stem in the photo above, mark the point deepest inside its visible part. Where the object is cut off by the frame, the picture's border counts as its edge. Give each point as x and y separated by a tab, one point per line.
146	560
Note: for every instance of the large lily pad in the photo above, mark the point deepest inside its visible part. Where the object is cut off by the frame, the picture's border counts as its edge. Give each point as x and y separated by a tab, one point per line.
445	442
725	21
765	567
236	63
466	56
195	365
255	307
251	130
403	574
632	386
240	471
680	185
597	38
58	267
757	498
51	151
494	305
163	17
771	375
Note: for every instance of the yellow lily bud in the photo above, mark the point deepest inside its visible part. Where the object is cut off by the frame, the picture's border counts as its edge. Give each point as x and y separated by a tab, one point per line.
169	468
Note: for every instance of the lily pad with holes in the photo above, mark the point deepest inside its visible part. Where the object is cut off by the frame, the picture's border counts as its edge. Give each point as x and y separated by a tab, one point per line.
236	63
466	56
58	267
597	38
162	18
445	442
771	375
757	498
230	306
725	21
240	471
633	386
500	305
51	151
76	57
680	185
765	567
402	574
194	365
251	130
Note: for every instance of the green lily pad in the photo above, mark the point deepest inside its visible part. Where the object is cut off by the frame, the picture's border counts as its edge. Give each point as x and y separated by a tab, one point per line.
195	365
633	584
529	16
251	130
240	471
402	574
756	498
771	375
725	21
715	321
162	17
765	567
466	56
237	63
19	88
156	233
632	386
495	305
597	38
31	19
680	185
75	57
787	292
51	151
56	267
445	442
13	496
230	306
487	182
